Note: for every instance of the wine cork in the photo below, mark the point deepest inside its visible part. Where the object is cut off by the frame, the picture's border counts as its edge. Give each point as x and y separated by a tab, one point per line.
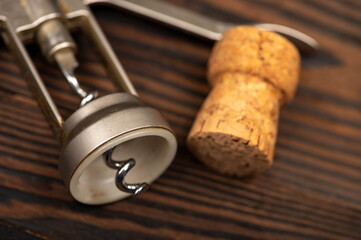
252	73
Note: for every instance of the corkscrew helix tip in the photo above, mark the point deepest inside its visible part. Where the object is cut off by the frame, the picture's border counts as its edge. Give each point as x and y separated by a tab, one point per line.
123	167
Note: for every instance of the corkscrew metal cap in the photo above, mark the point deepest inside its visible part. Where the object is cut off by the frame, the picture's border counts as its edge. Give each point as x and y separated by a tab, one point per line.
108	136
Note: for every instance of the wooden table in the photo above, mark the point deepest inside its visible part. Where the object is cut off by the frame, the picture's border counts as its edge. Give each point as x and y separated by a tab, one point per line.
313	191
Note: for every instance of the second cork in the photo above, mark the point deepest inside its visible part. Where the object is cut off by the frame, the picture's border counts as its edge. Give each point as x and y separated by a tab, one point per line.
252	73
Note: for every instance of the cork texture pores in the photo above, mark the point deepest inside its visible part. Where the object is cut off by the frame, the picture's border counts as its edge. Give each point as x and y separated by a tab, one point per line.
252	73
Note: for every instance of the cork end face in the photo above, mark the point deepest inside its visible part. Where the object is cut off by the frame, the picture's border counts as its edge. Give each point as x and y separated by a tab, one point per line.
229	155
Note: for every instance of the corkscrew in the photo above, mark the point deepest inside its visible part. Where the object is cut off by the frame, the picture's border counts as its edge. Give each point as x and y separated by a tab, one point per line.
113	146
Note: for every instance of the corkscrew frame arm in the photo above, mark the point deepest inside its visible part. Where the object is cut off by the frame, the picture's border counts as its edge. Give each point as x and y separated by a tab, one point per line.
32	76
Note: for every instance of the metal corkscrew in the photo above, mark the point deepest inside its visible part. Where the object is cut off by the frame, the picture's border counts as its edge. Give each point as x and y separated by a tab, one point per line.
112	146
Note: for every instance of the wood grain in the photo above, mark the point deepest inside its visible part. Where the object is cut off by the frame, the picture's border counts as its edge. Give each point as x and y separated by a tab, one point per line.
313	190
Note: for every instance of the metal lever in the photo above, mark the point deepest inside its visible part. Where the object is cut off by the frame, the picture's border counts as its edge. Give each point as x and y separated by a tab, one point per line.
203	26
123	168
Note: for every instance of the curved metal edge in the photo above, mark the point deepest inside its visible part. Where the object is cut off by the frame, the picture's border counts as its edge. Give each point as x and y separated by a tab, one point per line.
203	26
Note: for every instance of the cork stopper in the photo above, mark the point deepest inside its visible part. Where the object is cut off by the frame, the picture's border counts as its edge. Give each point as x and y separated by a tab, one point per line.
252	73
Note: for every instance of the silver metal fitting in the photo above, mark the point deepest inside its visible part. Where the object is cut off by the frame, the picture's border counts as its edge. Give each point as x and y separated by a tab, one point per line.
52	37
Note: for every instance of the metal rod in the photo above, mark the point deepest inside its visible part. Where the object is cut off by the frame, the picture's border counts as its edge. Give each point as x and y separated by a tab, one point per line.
203	26
115	68
170	14
67	63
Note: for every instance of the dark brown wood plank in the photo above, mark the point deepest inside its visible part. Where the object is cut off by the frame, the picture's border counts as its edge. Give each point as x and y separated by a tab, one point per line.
313	191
